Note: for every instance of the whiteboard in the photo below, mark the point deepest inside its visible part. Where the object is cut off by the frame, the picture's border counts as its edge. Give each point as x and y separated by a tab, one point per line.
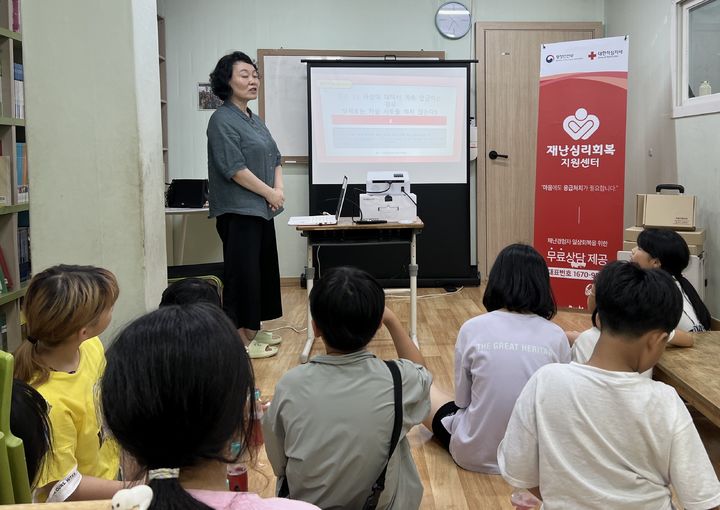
282	99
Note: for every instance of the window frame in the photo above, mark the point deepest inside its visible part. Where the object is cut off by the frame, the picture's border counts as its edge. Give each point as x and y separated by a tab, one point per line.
684	106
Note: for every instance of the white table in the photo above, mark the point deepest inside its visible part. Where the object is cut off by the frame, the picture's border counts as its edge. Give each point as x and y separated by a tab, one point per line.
184	212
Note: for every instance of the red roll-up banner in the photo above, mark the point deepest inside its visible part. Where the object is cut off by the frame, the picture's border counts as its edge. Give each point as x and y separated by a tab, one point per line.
579	188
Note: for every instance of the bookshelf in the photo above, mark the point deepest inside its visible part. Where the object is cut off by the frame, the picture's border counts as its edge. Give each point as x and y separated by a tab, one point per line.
163	93
14	189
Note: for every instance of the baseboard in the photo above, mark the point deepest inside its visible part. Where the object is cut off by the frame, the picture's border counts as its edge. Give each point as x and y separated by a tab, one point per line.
289	282
395	283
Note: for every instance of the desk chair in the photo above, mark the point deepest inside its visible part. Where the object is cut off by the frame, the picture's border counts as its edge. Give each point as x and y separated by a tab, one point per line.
14	483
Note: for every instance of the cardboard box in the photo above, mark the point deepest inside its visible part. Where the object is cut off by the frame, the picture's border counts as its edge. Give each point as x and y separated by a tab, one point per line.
697	237
669	211
695	249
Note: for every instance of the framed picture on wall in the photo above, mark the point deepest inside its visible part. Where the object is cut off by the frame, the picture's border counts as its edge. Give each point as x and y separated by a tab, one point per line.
206	99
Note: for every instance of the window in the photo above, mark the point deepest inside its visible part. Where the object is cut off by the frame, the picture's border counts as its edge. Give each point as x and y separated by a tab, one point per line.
696	74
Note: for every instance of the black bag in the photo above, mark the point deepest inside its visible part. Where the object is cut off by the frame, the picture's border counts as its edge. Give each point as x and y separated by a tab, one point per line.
190	193
372	501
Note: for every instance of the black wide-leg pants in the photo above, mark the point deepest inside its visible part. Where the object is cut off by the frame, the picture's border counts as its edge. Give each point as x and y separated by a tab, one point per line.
251	281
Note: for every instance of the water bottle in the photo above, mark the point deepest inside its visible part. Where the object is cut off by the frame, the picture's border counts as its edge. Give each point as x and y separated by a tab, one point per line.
523	500
705	89
256	438
237	472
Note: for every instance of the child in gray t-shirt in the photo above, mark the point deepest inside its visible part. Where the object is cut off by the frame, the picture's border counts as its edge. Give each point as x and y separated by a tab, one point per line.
328	429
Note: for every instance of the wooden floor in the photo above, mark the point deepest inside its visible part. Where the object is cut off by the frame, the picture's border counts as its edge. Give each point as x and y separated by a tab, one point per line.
440	316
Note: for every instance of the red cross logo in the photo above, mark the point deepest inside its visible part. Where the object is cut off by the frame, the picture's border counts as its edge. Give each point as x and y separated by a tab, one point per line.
592	55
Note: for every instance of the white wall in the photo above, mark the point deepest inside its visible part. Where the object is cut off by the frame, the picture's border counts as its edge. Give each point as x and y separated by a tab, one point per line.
698	164
198	33
93	125
650	150
684	150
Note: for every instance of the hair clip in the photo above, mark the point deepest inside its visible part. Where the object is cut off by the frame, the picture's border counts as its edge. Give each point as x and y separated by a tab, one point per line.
163	473
32	339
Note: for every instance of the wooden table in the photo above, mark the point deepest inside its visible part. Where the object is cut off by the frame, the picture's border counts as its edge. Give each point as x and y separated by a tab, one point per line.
347	233
695	373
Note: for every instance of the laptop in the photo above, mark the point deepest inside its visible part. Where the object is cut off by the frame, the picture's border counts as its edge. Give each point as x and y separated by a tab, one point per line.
323	219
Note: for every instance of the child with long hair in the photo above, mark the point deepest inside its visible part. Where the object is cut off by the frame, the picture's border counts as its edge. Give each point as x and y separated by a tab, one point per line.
667	250
176	394
29	421
66	308
495	355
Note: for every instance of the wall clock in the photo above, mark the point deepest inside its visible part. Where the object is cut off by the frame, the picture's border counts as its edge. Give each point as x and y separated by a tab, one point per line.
453	20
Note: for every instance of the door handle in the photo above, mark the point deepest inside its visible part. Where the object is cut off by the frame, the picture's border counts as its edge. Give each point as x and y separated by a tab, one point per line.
495	155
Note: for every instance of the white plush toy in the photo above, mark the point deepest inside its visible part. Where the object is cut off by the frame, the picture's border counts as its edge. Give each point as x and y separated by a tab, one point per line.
137	498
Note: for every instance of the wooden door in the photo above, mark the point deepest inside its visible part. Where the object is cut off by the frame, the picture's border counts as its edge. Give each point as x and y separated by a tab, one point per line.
508	77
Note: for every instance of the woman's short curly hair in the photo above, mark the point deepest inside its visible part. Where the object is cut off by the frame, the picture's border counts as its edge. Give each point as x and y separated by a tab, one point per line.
220	77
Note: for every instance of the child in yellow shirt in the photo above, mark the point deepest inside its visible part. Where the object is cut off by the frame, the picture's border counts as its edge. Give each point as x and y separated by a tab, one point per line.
66	307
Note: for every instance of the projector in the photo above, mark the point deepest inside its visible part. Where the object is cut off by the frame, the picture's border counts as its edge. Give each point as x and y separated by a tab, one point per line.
391	208
388	183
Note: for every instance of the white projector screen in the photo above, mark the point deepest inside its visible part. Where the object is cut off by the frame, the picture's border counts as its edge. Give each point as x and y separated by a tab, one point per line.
389	118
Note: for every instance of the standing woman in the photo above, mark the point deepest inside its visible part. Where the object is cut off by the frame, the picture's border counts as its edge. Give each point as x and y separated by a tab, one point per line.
246	193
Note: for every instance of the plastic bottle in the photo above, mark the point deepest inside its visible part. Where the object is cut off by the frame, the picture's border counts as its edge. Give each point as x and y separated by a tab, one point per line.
523	500
257	438
705	89
237	473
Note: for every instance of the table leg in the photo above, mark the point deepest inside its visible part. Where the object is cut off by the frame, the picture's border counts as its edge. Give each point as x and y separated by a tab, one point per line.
309	277
180	256
413	270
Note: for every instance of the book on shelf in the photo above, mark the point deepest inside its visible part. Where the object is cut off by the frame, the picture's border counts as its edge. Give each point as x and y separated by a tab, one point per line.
23	183
6	270
5	181
19	89
3	283
16	16
3	333
24	252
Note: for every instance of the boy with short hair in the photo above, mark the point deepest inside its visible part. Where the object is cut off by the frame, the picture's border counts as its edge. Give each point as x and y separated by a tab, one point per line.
190	291
600	435
328	428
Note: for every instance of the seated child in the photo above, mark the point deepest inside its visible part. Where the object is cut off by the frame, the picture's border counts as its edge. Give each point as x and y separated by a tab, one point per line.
29	422
176	394
667	250
328	428
495	355
600	435
672	249
66	307
190	290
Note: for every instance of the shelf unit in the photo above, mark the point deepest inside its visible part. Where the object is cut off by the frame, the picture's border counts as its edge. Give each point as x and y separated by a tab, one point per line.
163	93
14	208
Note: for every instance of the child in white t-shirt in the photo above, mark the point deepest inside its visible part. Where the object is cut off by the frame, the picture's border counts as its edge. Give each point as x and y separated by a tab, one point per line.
600	435
584	343
495	355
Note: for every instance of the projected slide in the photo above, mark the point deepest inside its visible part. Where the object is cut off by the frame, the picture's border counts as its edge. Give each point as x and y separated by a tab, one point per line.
390	118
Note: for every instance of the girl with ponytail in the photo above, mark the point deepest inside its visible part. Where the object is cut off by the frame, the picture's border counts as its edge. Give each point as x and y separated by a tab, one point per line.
176	394
667	250
66	308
